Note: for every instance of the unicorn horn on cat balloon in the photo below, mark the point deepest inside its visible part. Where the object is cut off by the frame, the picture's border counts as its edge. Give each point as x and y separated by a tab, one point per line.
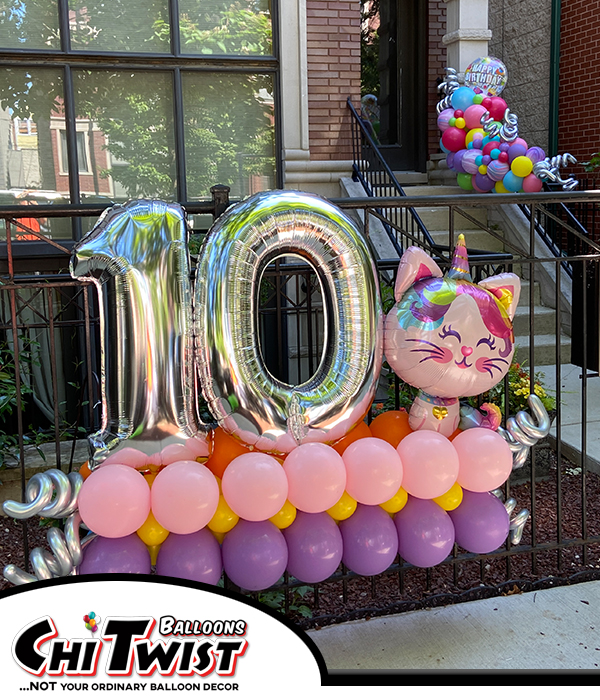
449	337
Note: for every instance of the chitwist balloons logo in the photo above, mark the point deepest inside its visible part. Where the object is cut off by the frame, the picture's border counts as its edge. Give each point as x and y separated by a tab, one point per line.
134	637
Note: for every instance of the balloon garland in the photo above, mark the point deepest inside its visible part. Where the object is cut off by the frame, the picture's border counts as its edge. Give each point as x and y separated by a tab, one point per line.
167	493
480	136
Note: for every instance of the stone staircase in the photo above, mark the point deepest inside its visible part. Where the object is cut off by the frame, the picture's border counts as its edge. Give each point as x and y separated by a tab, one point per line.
436	221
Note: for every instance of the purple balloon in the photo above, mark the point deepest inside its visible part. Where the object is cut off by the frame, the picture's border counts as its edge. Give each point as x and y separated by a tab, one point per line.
516	150
370	540
468	161
450	160
483	182
314	546
425	533
196	557
481	522
457	165
535	154
254	554
115	555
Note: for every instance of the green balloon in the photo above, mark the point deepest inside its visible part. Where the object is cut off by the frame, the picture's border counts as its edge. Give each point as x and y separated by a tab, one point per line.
465	180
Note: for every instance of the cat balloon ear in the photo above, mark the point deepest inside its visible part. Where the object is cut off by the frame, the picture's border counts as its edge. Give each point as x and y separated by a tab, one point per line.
506	287
414	265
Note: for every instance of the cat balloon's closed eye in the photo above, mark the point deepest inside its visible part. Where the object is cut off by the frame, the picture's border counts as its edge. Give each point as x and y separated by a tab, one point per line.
448	336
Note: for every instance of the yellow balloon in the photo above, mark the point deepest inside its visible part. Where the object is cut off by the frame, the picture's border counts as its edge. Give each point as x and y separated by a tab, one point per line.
152	532
154	549
451	499
224	518
219	536
285	517
499	187
396	503
521	166
460	123
474	134
150	478
344	508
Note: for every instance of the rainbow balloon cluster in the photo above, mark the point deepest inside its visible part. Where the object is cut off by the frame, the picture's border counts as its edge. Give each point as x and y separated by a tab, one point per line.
91	622
381	491
486	160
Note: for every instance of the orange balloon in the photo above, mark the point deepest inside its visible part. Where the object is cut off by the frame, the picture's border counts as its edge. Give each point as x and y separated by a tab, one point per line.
361	431
458	431
224	449
84	470
391	426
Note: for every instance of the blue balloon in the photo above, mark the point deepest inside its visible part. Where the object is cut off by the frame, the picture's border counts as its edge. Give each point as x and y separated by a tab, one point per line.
462	98
512	182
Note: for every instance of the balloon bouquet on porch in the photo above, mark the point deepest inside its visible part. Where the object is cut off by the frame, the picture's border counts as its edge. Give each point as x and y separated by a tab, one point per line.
290	477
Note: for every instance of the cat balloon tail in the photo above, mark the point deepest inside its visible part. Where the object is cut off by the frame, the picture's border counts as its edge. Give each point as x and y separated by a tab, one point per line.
449	337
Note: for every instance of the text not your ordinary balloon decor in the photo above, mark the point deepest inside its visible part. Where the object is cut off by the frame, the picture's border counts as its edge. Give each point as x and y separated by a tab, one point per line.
292	477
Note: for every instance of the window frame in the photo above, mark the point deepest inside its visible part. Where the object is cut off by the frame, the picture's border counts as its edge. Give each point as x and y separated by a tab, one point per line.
67	59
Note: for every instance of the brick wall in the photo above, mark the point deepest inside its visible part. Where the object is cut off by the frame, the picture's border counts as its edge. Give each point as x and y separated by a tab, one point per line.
333	48
579	93
436	69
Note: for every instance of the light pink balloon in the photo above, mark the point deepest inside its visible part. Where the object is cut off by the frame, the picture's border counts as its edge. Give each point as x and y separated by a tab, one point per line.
532	183
430	464
114	500
316	477
373	471
185	496
176	453
255	486
473	116
199	446
485	459
128	456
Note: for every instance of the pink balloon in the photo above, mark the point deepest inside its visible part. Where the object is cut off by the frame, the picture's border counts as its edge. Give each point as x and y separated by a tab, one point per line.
185	496
255	486
176	453
114	500
199	446
532	183
373	471
316	477
128	456
473	116
485	459
430	464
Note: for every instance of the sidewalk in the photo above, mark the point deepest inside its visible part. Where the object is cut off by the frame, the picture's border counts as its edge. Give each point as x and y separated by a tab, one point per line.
556	628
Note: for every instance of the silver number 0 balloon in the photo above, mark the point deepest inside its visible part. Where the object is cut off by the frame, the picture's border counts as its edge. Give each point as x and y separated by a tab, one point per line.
137	257
243	396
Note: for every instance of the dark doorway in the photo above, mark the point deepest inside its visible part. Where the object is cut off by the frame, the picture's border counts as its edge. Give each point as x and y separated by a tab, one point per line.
395	37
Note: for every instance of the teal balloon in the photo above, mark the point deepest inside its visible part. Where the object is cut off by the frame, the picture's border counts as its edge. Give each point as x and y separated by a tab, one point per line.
512	182
462	98
92	615
446	150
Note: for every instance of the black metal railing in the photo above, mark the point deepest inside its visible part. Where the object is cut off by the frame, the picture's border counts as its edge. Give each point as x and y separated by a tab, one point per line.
559	485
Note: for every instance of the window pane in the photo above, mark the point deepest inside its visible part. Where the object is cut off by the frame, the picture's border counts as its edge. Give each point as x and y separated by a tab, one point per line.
229	133
129	137
120	25
225	27
29	24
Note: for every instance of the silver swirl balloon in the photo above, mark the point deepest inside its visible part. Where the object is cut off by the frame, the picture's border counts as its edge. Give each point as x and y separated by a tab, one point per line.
510	127
522	432
448	86
63	559
244	397
50	494
137	257
489	125
548	170
518	521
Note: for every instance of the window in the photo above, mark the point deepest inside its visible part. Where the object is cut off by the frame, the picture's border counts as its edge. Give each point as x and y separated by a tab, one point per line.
133	99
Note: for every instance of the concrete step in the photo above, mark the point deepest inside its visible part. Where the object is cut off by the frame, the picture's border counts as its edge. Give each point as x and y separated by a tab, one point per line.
436	218
544	349
433	190
476	239
524	297
410	177
544	320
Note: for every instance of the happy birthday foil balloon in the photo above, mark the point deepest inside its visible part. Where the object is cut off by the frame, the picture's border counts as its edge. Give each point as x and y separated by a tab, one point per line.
248	402
137	257
449	337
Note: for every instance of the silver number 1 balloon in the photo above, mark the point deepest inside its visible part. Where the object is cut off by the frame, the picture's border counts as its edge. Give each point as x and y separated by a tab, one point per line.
137	257
242	395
